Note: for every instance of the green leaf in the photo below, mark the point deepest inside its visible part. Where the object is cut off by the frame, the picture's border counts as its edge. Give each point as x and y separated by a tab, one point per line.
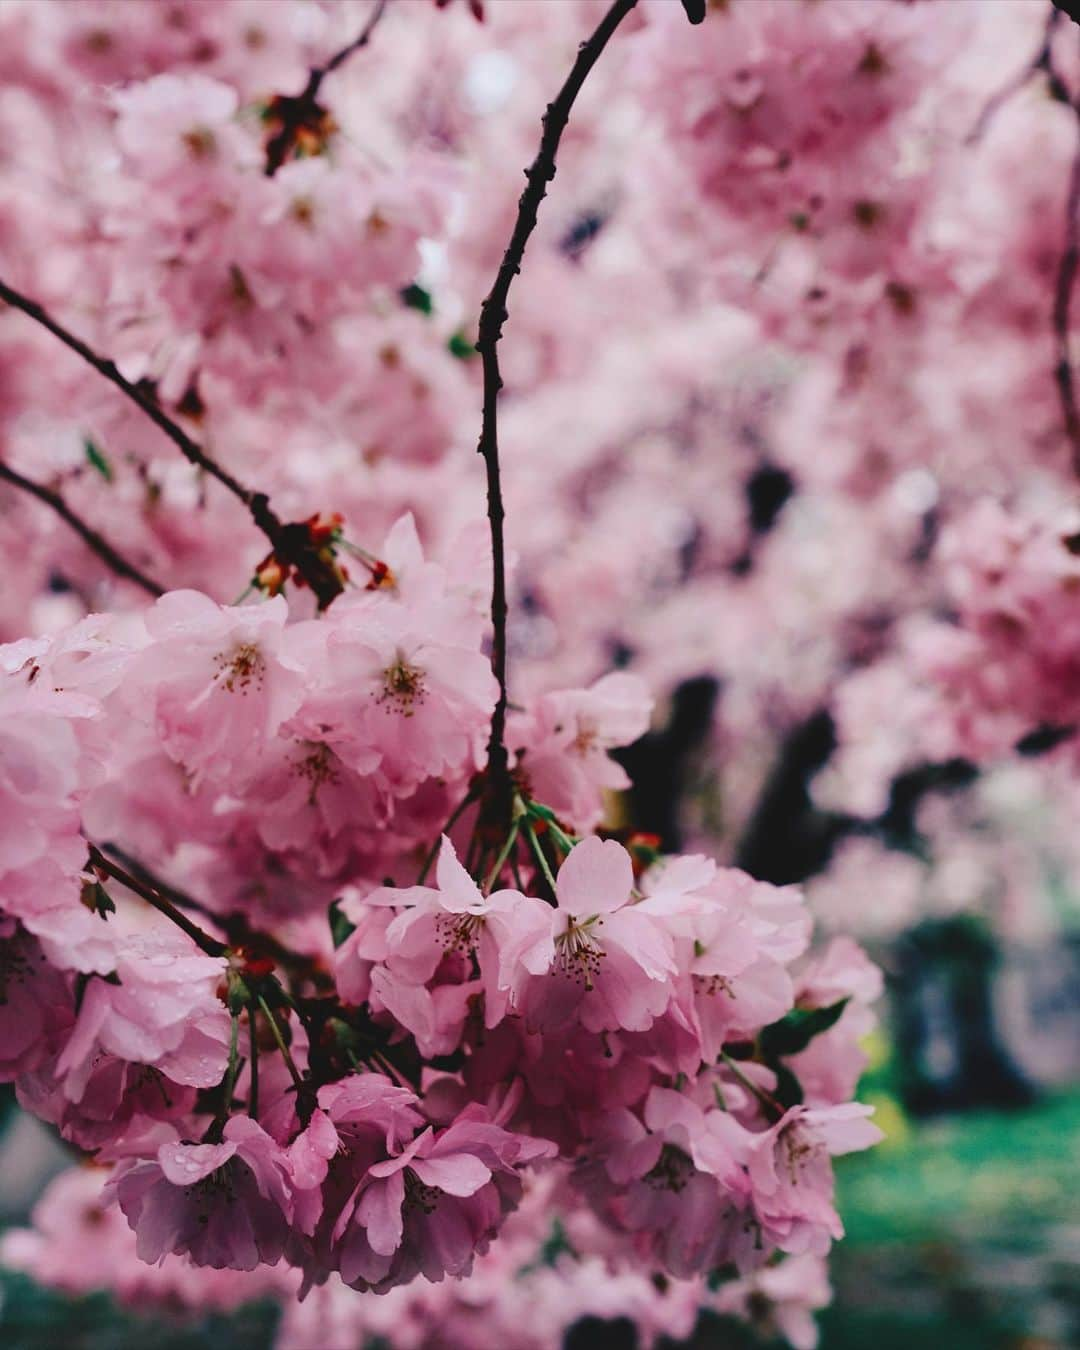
97	899
415	297
340	926
796	1029
788	1091
96	459
459	345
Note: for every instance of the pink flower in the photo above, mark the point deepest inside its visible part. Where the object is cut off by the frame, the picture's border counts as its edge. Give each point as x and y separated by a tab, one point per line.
36	1004
599	956
828	1069
159	1007
563	748
225	1205
394	688
429	1209
216	683
791	1177
455	918
676	1177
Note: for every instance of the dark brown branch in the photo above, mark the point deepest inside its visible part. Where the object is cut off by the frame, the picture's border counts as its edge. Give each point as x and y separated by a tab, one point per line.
493	315
94	541
291	543
210	945
300	113
1066	280
235	926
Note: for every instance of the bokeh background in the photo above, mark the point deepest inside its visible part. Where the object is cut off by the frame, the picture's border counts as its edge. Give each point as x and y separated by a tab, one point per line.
762	434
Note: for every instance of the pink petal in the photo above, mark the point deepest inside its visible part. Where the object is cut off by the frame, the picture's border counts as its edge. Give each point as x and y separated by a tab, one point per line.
379	1211
459	1174
596	878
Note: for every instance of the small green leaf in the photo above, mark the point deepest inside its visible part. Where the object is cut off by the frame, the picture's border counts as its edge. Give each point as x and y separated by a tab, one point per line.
416	297
97	899
796	1029
340	926
96	459
459	345
788	1091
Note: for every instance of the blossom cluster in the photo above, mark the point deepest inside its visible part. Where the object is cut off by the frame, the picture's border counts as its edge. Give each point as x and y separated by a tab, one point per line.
365	1094
816	458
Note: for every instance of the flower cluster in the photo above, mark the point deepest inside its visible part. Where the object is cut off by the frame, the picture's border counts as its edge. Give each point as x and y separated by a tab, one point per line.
365	1096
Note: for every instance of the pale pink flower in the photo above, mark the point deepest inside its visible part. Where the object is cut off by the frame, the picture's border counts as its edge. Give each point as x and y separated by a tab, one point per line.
563	746
455	918
791	1177
599	956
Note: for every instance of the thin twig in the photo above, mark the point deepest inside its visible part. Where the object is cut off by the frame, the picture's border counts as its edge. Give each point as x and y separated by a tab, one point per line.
235	926
1066	279
493	315
1043	60
303	109
291	543
253	1088
455	816
95	542
210	945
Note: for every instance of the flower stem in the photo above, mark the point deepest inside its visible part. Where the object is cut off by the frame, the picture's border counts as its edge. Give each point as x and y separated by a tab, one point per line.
500	861
290	1063
455	816
772	1107
541	859
253	1089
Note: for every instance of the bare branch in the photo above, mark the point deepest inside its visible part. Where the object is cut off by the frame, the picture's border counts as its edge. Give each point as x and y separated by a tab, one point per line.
1066	280
1041	61
493	315
94	541
303	112
291	543
210	945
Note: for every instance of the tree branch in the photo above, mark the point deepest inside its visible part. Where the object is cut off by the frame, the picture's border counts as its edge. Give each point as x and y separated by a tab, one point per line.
210	945
303	111
1066	280
291	543
493	315
94	541
1043	60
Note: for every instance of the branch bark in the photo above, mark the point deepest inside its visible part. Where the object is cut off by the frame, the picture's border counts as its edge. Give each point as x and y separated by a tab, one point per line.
210	945
493	315
1066	280
304	110
95	542
290	542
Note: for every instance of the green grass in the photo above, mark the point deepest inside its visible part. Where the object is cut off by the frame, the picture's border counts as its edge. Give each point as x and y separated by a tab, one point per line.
963	1235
